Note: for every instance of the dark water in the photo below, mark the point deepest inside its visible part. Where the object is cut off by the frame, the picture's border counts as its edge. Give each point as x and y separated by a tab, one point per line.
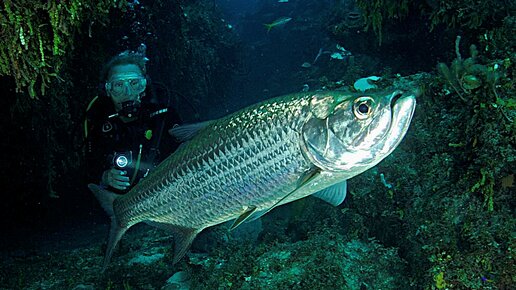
438	213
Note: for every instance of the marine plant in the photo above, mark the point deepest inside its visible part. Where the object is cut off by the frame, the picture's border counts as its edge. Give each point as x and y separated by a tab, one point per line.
324	259
375	12
466	75
465	14
37	35
467	233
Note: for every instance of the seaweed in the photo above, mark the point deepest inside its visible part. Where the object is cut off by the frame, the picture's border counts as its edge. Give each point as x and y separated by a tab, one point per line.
37	37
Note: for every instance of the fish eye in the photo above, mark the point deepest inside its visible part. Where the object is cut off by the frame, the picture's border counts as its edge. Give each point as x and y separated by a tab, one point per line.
363	107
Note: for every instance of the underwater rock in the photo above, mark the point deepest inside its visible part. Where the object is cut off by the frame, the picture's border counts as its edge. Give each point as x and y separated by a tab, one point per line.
355	264
180	280
146	260
83	287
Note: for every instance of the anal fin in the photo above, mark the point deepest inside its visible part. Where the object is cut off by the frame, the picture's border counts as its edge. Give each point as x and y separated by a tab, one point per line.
183	237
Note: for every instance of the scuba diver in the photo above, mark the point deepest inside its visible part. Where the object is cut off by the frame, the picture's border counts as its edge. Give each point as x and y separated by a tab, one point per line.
127	129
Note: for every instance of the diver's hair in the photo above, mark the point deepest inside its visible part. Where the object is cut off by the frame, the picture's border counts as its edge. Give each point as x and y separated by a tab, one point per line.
126	57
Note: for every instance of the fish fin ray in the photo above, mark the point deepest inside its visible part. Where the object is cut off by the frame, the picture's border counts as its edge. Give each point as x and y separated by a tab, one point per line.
188	131
334	194
182	242
305	179
115	234
183	237
106	199
243	217
308	176
256	215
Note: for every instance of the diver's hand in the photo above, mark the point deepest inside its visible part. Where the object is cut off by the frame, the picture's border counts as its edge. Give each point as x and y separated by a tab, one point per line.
116	178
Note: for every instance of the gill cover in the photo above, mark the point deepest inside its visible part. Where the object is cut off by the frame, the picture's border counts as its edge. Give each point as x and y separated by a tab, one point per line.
350	132
315	130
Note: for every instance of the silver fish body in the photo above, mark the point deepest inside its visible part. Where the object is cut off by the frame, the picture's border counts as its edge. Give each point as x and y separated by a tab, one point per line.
266	155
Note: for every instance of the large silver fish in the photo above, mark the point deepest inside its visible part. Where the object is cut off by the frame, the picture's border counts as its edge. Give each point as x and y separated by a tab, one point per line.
243	165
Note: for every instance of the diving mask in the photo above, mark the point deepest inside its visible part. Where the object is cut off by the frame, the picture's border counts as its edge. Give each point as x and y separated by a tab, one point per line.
126	86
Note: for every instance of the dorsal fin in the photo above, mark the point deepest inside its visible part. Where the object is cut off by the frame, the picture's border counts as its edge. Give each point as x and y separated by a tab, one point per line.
186	132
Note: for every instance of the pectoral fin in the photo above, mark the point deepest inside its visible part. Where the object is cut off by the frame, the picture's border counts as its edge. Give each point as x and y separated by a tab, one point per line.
256	215
250	210
308	177
334	194
305	179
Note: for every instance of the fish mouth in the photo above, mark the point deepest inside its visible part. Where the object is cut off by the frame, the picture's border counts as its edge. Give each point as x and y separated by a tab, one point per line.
403	105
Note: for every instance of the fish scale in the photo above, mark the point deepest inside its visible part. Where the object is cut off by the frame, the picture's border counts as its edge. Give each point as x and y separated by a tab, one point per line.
274	153
263	156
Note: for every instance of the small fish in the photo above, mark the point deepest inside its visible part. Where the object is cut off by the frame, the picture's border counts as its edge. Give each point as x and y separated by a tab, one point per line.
278	22
319	53
243	165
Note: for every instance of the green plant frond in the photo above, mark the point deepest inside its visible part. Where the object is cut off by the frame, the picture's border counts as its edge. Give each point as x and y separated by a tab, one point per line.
38	35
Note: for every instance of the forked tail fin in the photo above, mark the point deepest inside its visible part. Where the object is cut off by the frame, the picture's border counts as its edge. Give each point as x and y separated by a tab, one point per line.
106	199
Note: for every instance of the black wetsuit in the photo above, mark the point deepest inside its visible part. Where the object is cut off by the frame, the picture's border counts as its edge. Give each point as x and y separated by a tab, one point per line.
144	141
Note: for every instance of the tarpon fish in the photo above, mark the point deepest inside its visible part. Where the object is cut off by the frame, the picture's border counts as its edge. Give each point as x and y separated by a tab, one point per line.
243	165
278	22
